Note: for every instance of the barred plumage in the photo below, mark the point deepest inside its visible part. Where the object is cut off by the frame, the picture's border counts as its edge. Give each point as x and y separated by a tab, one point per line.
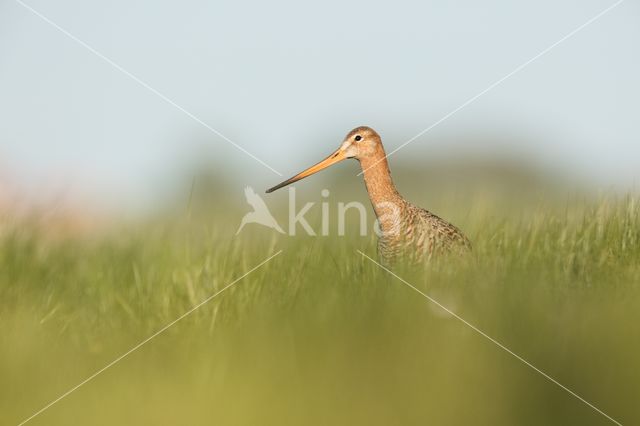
421	235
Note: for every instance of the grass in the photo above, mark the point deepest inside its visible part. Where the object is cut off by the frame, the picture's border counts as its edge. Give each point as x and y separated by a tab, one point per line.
320	334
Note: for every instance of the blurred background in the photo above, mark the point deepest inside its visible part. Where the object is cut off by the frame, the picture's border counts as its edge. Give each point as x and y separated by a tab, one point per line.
286	81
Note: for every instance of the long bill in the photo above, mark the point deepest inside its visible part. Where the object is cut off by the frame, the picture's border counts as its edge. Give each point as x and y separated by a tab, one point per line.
334	158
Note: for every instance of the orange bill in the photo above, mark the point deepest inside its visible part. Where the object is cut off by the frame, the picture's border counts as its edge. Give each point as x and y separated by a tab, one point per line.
334	158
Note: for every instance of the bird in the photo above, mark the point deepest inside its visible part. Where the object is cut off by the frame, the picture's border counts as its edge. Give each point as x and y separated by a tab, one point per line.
408	233
260	213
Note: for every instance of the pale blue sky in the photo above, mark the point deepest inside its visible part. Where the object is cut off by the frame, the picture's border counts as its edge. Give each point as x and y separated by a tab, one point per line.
286	80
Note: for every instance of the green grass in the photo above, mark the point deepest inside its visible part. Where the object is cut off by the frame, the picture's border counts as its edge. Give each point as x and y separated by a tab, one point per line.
321	335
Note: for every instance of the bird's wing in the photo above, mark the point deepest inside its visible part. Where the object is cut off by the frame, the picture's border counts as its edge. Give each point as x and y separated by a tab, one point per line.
254	199
249	192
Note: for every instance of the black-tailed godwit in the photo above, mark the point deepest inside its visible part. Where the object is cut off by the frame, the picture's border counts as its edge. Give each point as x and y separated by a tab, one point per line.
407	231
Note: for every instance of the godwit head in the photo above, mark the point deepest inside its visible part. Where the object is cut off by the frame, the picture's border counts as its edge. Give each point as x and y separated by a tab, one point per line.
362	143
407	230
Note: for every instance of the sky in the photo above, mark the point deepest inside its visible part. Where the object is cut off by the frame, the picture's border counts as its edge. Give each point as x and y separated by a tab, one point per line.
116	98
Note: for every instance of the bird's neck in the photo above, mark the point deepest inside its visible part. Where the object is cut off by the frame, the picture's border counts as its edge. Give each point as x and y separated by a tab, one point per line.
382	192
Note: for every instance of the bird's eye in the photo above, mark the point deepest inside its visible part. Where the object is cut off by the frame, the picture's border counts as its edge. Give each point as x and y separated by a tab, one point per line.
358	138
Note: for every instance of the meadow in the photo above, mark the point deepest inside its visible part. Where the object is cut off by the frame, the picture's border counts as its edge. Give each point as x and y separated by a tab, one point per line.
320	334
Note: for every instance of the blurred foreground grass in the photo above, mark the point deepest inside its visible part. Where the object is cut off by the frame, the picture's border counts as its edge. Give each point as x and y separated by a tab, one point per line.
321	335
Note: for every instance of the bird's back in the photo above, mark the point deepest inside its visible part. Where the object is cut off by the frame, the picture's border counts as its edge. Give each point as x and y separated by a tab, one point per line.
421	235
